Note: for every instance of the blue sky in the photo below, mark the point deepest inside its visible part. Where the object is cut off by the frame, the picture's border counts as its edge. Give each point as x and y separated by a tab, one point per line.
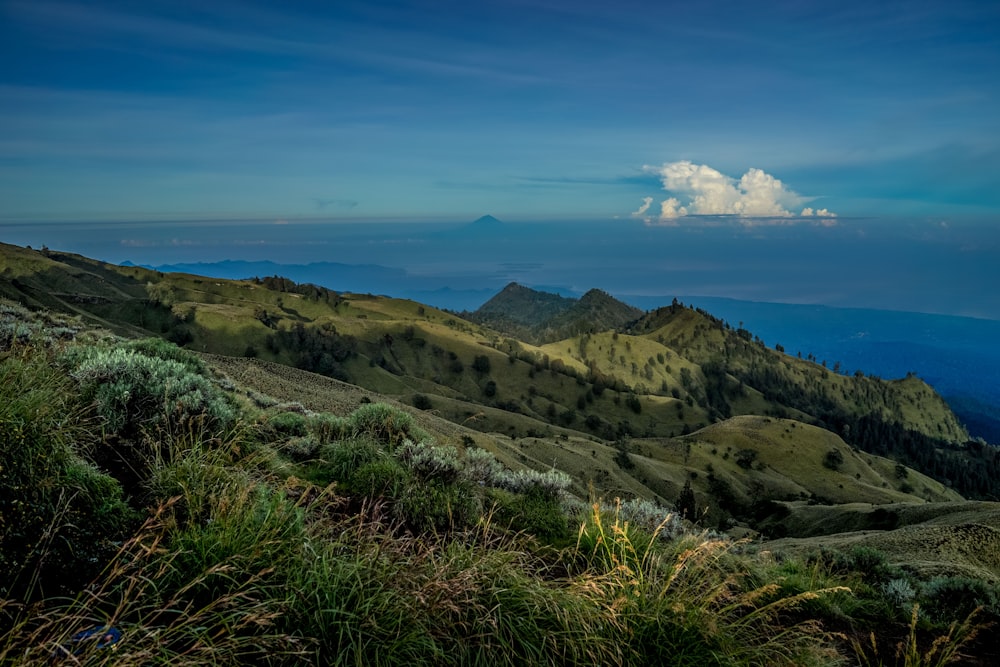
528	110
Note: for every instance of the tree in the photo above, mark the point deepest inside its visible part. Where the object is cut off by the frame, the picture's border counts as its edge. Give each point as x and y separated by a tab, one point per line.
687	507
833	459
745	458
481	364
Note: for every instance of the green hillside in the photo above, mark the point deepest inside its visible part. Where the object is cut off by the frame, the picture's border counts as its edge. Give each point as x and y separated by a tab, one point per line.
665	374
441	493
260	513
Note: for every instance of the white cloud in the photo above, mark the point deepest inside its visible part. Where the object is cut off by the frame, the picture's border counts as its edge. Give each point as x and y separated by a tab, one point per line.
698	189
641	211
671	208
819	213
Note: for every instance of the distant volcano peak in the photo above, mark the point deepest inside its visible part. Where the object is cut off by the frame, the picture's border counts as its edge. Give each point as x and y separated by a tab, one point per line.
487	221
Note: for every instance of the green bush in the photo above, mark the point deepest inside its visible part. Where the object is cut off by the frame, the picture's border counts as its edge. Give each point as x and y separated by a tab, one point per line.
650	517
384	478
436	506
481	364
532	513
289	424
547	484
161	349
59	515
132	391
327	427
833	459
481	467
385	424
302	448
430	462
341	459
867	561
948	599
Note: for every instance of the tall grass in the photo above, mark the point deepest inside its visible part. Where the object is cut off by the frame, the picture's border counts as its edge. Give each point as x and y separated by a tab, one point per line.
58	514
160	624
943	650
694	601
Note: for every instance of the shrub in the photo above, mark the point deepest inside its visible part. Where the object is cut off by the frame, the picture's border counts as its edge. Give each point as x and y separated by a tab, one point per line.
161	349
481	467
327	427
288	424
948	599
302	448
58	514
533	513
899	593
481	364
422	402
429	462
131	390
382	478
833	459
385	424
14	332
341	459
547	484
651	517
868	561
436	506
745	458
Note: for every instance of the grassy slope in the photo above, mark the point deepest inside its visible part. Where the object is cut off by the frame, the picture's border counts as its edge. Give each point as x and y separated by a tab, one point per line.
220	315
909	401
940	539
537	414
789	462
952	538
790	458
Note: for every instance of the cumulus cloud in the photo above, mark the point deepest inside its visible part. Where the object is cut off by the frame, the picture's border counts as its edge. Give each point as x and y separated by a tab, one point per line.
819	213
671	208
698	189
641	211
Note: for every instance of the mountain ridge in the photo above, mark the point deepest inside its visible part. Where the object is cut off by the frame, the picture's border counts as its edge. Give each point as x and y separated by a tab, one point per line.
542	317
